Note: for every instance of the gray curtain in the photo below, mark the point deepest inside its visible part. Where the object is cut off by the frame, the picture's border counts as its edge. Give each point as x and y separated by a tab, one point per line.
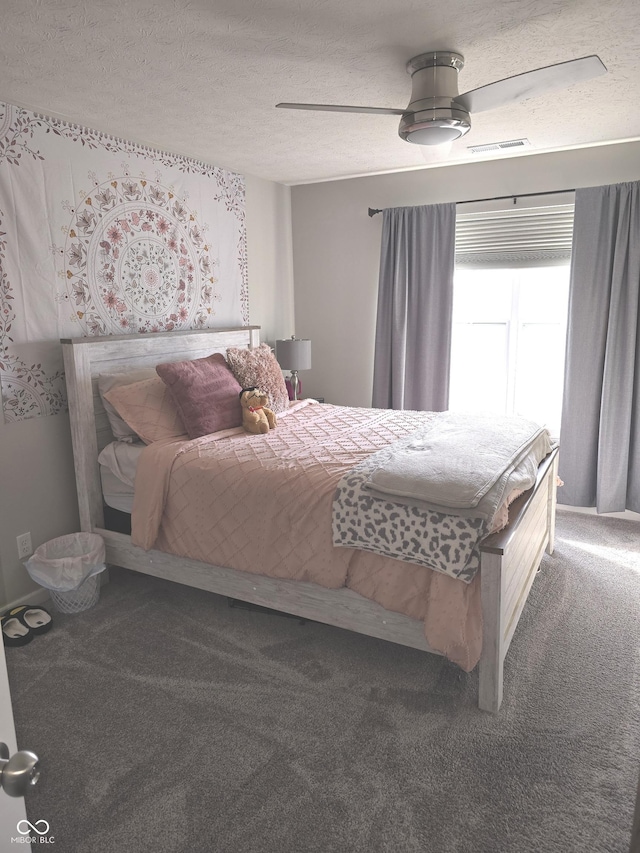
600	432
415	301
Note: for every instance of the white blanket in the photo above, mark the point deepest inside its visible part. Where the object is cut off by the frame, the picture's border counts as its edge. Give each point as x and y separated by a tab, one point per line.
462	464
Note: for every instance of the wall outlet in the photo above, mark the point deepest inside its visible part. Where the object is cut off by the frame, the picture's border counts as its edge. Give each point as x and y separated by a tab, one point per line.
25	549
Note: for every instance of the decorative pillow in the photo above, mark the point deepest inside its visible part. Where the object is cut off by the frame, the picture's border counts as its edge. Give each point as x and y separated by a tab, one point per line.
106	381
205	393
148	409
258	368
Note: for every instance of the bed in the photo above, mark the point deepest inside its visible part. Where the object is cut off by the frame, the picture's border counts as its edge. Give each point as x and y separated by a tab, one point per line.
509	559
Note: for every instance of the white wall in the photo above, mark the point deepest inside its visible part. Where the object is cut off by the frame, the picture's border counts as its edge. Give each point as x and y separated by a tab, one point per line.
37	493
37	480
336	246
270	258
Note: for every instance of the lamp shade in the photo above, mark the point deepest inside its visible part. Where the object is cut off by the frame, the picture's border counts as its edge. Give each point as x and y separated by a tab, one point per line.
294	354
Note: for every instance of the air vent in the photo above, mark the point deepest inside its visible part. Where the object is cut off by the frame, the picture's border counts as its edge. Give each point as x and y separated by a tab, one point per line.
499	146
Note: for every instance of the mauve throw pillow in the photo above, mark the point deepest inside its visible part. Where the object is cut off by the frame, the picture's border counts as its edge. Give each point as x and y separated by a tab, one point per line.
205	393
258	368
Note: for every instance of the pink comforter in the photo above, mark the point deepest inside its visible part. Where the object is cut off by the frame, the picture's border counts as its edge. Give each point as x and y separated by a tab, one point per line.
214	498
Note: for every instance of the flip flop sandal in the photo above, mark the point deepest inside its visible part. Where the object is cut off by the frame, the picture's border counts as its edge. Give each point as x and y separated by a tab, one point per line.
36	618
15	632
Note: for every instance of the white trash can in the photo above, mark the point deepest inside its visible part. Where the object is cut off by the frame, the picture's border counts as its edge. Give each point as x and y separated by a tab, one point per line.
69	567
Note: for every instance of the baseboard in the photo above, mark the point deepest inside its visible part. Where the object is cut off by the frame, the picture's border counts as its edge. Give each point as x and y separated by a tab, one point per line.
591	510
41	595
38	596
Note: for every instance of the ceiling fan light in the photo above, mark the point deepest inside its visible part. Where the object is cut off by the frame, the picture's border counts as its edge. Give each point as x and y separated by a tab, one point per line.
441	121
434	133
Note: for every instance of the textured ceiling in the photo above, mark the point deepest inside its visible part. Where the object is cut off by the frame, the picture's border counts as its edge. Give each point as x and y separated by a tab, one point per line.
201	77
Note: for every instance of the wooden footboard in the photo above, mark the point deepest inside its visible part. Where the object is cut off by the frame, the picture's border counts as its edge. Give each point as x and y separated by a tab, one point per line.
509	562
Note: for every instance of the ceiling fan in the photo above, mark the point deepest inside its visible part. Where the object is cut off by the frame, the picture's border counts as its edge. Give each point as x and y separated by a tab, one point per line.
437	114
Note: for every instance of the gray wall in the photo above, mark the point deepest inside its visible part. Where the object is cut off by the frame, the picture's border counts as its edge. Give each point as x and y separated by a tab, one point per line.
37	481
336	246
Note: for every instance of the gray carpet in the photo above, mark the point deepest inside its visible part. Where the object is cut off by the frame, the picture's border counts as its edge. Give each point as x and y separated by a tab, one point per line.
167	721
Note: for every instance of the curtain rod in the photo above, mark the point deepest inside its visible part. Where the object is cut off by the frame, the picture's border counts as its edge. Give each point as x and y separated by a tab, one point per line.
373	211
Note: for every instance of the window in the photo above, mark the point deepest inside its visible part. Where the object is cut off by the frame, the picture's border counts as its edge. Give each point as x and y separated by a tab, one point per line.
511	290
508	342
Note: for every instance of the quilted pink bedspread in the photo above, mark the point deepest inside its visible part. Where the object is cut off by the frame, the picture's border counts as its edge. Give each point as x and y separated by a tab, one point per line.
225	497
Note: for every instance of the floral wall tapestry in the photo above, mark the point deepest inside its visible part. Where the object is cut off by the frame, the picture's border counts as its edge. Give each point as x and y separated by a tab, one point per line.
99	236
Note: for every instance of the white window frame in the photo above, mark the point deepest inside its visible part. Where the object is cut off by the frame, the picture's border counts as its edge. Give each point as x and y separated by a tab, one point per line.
553	251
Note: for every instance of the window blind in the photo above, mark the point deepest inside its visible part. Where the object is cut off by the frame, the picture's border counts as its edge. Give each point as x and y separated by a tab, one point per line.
538	236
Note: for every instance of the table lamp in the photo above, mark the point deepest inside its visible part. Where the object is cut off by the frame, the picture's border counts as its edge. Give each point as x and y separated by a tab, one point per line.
294	354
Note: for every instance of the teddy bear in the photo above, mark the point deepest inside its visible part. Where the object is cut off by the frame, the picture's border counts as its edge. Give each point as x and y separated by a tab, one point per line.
256	417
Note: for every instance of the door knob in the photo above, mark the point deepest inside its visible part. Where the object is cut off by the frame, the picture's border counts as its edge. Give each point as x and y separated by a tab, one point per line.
20	772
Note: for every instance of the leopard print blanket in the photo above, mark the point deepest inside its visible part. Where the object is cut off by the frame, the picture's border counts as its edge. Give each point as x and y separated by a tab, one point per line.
445	543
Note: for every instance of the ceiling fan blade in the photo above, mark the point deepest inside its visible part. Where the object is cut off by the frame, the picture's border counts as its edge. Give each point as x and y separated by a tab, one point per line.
531	84
340	108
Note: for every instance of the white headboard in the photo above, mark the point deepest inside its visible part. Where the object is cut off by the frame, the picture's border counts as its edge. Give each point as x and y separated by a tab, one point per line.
86	358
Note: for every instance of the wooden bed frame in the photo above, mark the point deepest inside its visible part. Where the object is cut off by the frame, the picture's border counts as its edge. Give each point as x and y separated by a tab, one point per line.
509	559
